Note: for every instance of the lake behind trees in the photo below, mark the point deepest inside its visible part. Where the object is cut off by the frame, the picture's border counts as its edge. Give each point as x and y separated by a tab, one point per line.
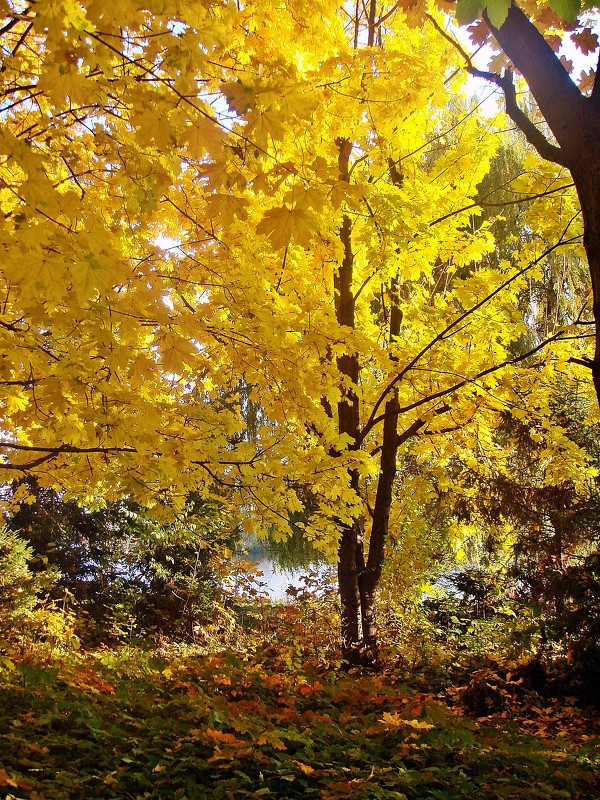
283	565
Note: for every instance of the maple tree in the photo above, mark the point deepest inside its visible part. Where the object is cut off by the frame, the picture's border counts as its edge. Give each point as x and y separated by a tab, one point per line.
198	216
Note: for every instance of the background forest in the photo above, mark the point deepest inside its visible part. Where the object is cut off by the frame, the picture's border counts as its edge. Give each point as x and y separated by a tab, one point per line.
325	278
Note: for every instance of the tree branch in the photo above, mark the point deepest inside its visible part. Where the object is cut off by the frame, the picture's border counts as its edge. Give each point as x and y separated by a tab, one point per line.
534	136
50	453
583	362
505	82
558	98
481	204
373	418
473	379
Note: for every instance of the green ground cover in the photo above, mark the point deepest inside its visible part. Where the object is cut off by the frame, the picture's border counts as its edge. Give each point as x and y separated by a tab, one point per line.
128	724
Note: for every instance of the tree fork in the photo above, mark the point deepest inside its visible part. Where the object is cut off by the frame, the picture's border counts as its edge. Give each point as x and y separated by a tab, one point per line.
371	575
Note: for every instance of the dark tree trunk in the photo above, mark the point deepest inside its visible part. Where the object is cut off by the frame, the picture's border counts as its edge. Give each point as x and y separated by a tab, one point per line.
358	580
586	176
359	576
371	574
350	600
350	553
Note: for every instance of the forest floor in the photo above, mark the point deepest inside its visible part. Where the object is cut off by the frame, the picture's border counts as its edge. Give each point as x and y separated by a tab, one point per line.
133	724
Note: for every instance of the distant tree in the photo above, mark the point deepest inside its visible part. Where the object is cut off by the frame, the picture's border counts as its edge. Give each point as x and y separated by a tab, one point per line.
19	587
25	614
552	532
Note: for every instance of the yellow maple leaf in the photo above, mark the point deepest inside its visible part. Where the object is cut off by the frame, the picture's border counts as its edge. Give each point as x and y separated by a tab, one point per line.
204	136
89	277
176	352
392	719
153	127
16	400
282	223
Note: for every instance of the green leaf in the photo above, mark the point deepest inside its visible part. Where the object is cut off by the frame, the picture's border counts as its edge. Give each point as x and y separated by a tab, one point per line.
567	9
468	10
497	11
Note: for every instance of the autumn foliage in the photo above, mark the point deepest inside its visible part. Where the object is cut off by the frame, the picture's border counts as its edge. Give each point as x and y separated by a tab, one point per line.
259	270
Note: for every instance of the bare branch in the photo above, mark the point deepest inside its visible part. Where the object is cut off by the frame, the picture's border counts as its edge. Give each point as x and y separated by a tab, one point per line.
526	199
473	378
558	98
584	362
373	418
533	134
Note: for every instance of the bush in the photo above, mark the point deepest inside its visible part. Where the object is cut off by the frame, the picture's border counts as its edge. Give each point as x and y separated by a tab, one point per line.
123	574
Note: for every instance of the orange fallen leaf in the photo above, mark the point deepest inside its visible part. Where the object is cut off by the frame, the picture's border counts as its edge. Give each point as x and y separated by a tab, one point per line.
306	769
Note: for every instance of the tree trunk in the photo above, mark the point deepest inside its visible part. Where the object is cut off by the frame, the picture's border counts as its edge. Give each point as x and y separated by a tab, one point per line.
371	573
350	552
350	600
586	175
358	580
